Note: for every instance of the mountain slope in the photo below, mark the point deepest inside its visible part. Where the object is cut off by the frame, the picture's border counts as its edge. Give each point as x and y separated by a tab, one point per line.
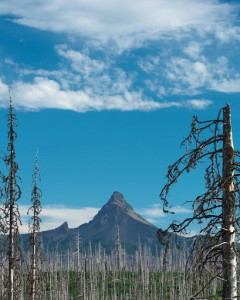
115	214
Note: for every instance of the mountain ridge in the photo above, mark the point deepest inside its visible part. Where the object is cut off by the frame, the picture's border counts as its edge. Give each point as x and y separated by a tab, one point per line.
116	214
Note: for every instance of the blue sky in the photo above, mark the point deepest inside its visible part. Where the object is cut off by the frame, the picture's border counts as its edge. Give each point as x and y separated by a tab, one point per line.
106	91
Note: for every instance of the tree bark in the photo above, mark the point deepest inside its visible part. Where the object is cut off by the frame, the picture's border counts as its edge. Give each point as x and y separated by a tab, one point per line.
12	225
228	211
34	258
11	254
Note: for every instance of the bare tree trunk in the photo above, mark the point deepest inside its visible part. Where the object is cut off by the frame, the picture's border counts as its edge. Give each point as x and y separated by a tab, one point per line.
34	268
34	239
228	211
11	246
118	249
13	289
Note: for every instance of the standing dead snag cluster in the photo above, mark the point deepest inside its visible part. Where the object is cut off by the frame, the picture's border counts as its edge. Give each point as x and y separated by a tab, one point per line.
214	249
12	262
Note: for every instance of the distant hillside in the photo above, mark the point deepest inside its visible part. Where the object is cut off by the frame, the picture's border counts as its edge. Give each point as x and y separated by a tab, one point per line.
116	213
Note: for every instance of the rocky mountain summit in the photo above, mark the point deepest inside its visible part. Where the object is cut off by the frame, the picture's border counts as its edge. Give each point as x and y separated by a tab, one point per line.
116	214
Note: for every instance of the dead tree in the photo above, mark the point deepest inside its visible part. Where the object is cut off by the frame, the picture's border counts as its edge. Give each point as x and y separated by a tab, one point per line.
214	249
77	246
118	249
12	194
35	245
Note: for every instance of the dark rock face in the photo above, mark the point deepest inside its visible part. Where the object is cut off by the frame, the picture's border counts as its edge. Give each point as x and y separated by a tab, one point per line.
56	237
116	213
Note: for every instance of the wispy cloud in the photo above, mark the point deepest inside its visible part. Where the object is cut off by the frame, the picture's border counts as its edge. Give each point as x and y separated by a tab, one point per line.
190	73
155	213
45	93
192	76
227	85
80	61
53	216
135	20
86	84
199	103
182	65
194	49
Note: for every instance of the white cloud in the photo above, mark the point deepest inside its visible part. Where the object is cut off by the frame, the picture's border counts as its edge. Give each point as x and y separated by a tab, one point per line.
187	73
44	93
149	63
188	76
155	212
199	103
194	49
226	85
80	62
227	34
86	84
4	93
192	232
123	20
180	210
53	216
87	81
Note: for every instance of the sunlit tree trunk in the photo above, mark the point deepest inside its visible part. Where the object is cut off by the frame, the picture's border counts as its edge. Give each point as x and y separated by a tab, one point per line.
228	211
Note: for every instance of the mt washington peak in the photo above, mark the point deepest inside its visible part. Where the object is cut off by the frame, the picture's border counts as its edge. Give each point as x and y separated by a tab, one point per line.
116	214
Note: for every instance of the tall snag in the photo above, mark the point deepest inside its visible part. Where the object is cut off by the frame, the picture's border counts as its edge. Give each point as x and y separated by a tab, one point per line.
35	246
12	194
214	249
228	211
